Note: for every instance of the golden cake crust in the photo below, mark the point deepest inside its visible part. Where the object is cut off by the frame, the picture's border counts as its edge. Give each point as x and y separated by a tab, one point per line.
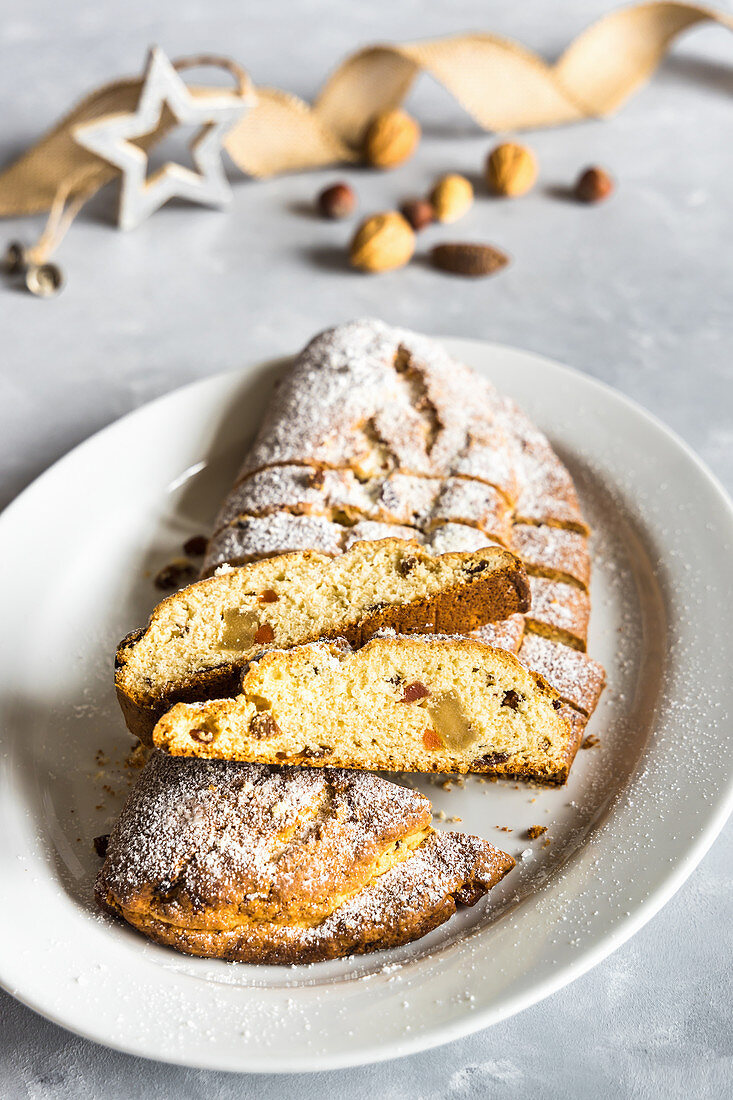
266	865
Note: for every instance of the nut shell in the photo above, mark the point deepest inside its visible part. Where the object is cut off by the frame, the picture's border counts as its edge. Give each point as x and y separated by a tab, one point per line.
511	170
451	197
391	139
383	242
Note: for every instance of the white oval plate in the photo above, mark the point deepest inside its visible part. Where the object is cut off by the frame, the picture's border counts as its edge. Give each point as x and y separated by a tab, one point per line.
639	812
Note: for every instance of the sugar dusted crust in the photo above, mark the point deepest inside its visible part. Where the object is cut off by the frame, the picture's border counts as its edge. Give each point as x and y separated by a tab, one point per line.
199	640
430	704
552	552
375	399
251	538
280	865
559	611
340	497
577	678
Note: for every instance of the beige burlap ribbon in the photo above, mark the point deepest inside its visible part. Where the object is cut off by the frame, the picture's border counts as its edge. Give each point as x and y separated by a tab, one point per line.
499	83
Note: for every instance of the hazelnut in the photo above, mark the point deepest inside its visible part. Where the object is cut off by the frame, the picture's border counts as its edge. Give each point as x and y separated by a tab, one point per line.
451	197
336	201
593	185
418	212
391	139
511	169
382	243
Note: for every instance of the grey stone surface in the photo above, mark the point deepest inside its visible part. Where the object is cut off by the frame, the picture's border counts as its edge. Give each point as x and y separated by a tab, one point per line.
637	293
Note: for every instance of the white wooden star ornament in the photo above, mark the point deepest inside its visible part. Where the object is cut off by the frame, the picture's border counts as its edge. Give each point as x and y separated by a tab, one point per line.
112	138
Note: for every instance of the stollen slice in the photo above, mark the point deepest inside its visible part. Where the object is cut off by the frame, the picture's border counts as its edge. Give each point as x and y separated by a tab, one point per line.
400	703
199	640
285	865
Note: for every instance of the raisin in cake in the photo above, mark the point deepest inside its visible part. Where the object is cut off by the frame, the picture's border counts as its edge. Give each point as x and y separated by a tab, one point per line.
281	865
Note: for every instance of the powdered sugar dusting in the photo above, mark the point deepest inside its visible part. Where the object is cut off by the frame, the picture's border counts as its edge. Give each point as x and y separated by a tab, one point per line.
365	392
254	851
560	606
205	826
552	549
574	675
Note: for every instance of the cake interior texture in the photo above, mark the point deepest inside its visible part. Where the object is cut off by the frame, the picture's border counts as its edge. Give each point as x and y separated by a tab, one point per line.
435	704
198	640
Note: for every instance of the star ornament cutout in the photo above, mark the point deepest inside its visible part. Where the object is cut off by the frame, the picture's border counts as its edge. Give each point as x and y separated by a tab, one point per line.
112	139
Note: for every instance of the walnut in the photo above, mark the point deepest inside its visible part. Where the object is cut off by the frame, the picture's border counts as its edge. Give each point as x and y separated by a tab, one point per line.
383	242
391	139
511	169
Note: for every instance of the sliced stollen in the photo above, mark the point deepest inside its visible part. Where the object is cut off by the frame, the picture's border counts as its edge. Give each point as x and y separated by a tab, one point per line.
507	634
559	611
374	425
340	496
250	538
552	552
576	677
282	865
199	640
409	703
546	491
576	720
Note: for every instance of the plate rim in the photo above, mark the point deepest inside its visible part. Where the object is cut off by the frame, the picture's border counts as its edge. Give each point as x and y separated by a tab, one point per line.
479	1019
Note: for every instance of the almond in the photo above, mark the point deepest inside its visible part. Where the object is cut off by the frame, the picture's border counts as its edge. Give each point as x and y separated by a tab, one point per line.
468	259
